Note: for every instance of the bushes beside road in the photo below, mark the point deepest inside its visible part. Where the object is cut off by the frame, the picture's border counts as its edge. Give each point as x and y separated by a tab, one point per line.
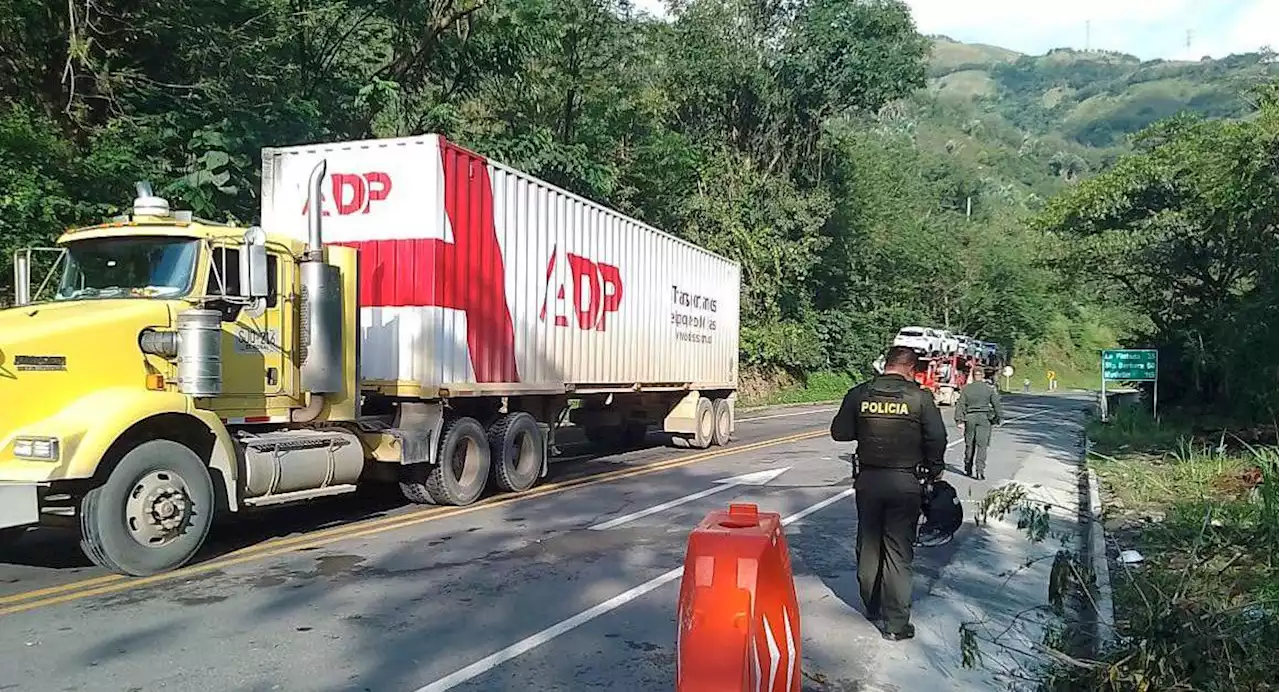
1200	610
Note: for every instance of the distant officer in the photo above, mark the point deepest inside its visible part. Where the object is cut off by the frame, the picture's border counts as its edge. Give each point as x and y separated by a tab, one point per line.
901	439
977	409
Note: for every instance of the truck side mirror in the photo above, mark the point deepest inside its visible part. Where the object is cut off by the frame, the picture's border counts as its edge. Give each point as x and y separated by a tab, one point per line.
22	279
253	264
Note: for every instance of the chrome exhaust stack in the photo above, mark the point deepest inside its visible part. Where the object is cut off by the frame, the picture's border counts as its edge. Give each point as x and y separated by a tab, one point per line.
321	363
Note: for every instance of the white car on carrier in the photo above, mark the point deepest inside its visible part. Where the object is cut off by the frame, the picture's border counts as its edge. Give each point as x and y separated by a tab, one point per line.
922	339
949	344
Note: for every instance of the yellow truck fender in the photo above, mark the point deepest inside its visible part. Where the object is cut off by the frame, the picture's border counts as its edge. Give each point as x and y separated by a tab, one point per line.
91	426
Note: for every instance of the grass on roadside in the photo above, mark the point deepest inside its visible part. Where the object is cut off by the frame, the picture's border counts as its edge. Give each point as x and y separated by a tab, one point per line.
1200	611
820	386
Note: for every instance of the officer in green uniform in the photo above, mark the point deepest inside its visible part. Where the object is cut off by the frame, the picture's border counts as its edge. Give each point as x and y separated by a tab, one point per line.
901	440
977	409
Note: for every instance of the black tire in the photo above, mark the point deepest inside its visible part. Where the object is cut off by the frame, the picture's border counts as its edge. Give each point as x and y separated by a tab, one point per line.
635	434
723	430
606	437
517	449
11	535
413	483
117	527
703	425
462	471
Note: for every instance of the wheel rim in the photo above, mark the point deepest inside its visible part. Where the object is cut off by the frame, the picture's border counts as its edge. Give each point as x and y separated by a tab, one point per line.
158	508
722	424
705	425
524	452
466	463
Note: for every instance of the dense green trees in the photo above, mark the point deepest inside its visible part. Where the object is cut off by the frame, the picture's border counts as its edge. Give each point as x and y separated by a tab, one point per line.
1184	230
785	135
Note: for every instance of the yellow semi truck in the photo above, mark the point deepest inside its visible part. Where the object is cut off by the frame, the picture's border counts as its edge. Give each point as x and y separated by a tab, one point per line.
408	312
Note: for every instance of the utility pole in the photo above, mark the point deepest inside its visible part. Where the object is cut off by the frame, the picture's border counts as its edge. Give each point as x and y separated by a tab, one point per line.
1086	35
1190	56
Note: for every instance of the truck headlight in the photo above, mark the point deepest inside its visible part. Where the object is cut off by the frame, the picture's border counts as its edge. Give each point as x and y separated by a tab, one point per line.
37	448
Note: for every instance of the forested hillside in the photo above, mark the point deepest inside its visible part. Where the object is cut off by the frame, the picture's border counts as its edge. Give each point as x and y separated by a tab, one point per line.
865	176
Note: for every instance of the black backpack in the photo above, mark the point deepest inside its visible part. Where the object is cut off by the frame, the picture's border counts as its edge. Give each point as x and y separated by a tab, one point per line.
943	512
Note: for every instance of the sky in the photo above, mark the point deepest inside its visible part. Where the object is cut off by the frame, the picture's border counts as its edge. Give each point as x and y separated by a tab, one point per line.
1149	29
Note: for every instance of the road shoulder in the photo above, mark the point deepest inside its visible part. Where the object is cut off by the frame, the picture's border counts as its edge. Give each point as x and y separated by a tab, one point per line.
993	584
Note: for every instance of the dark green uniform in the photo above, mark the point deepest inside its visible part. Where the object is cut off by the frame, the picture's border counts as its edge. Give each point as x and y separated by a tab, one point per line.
900	435
978	408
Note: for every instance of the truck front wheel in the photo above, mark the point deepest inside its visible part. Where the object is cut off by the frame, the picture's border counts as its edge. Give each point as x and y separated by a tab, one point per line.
152	514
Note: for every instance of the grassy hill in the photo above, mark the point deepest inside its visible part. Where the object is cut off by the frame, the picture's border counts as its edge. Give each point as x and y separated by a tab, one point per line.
1028	126
1095	98
1036	123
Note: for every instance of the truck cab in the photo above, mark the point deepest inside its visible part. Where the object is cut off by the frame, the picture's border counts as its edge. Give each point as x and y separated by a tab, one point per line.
155	334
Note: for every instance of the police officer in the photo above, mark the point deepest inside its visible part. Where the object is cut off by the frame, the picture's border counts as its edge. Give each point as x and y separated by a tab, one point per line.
977	409
901	439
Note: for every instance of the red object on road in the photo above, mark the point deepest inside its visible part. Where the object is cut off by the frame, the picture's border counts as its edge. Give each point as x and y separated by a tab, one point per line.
945	375
738	620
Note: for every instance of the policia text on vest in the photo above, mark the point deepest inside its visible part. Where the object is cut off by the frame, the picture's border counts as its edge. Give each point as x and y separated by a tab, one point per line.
901	439
977	409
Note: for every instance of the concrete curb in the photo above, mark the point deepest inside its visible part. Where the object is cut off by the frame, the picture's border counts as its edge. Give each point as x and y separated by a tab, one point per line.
1104	616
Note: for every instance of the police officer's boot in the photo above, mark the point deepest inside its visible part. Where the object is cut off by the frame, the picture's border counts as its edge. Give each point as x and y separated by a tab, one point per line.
907	633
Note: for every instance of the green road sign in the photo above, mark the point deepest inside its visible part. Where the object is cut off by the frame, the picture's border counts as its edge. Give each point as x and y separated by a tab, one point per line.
1130	364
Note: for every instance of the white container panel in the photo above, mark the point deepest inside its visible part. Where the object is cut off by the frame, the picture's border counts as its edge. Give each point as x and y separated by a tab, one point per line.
472	272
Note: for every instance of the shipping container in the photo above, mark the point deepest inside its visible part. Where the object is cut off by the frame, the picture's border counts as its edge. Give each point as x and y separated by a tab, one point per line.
478	278
475	323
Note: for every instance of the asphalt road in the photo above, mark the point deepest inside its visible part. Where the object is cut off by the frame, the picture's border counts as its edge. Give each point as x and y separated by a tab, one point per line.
570	587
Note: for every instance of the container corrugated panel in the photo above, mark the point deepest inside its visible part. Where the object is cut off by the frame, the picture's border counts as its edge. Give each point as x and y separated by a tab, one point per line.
472	273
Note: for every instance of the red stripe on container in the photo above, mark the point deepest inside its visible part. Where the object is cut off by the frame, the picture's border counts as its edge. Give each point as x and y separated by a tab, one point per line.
467	275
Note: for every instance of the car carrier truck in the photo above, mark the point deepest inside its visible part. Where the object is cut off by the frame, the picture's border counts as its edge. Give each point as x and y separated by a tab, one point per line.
407	312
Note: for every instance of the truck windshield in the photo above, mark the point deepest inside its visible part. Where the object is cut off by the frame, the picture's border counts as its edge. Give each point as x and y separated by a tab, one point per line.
152	267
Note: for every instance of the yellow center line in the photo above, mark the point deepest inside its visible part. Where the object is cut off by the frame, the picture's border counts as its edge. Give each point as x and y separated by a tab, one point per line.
97	586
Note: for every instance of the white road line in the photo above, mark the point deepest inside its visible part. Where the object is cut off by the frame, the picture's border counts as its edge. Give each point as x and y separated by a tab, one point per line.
817	507
788	415
755	478
531	642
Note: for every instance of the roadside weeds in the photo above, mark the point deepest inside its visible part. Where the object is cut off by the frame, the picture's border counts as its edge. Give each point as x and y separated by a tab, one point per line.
1195	600
1199	609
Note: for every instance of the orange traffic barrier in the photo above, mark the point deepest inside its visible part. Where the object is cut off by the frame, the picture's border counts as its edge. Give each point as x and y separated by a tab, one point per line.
738	623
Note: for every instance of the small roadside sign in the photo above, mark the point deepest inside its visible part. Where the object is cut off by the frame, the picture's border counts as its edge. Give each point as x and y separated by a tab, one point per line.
1131	365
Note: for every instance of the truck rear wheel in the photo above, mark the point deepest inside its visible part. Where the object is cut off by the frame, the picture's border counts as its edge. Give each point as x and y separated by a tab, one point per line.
723	422
704	425
516	449
635	434
462	470
152	514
